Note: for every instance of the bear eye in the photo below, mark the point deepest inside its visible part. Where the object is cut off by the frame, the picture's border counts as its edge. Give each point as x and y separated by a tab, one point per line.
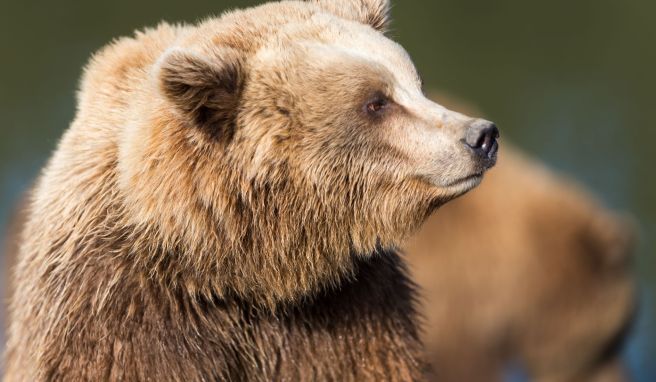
375	105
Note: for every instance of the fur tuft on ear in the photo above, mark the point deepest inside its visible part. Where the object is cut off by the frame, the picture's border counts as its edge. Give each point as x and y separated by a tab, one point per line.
371	12
206	90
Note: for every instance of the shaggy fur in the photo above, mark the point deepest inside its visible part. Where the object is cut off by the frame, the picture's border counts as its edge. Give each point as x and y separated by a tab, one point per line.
226	203
449	266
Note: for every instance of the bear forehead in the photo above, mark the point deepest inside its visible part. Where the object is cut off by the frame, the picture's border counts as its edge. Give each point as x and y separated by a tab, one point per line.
328	40
272	31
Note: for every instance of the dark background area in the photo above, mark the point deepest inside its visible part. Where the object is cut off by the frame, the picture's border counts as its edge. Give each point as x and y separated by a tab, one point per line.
572	82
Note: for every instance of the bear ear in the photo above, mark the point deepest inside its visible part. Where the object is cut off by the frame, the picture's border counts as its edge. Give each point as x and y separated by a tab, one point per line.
205	90
371	12
611	238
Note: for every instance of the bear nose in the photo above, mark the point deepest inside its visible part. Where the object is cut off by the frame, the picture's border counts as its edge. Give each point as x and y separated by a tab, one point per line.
482	137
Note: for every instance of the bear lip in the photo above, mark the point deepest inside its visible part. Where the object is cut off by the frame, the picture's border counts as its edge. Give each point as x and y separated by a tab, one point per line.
476	176
465	184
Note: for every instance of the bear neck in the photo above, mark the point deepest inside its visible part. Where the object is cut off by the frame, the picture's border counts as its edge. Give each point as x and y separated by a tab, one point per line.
266	251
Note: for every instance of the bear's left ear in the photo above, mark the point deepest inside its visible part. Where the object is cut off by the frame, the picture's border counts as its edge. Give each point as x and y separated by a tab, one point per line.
371	12
205	90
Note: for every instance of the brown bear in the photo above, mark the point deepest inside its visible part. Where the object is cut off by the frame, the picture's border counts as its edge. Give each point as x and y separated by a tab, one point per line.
226	204
592	234
528	269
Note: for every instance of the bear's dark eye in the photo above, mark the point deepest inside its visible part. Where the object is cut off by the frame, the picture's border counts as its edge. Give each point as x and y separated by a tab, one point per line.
377	104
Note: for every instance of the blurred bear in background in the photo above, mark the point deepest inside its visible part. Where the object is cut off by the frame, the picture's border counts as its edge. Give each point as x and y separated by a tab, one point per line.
529	270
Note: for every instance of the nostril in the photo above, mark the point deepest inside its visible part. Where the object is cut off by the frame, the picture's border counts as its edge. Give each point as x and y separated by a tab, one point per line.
488	138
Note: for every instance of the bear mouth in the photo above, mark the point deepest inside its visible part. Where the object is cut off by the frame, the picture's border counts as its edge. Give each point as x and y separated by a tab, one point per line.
465	184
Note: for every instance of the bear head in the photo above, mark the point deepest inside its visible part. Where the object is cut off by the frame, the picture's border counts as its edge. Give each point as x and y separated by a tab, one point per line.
277	145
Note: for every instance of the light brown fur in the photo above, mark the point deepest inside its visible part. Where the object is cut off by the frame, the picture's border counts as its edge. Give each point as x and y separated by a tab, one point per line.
224	207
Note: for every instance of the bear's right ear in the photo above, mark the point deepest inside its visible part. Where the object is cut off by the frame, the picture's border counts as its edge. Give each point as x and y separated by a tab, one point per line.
205	90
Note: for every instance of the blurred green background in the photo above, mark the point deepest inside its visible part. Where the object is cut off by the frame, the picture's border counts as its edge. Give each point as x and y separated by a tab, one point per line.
572	82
